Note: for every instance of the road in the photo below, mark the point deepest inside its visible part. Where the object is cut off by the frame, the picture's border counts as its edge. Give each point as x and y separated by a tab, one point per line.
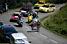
42	37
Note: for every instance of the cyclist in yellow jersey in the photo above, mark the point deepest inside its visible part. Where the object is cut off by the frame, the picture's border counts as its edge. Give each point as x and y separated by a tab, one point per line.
30	17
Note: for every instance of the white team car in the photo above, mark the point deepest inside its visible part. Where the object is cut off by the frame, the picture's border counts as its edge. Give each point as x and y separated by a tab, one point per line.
24	13
47	8
18	38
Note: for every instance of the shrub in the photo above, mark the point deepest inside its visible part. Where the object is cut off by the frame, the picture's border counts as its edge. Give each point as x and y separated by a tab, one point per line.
58	22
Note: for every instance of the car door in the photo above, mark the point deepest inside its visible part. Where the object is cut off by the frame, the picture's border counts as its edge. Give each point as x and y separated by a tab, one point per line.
50	8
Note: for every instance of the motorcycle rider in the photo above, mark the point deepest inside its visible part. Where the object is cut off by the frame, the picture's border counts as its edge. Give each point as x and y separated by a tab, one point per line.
35	14
20	21
35	24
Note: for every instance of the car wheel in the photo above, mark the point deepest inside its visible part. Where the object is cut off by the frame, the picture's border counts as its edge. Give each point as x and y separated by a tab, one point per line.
1	12
20	25
10	20
47	11
53	10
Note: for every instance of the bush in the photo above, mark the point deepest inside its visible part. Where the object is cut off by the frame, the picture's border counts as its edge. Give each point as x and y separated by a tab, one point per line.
58	22
57	1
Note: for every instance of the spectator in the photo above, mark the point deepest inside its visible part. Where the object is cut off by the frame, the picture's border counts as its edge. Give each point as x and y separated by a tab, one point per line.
29	6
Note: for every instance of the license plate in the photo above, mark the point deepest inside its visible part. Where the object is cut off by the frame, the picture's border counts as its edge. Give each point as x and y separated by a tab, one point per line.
34	27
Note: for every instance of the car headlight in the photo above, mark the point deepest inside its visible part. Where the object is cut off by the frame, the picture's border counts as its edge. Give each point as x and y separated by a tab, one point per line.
40	8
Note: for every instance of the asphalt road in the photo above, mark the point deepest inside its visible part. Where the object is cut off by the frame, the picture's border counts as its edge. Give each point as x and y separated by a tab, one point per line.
42	37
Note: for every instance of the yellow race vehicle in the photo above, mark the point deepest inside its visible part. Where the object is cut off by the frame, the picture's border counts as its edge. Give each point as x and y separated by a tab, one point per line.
47	8
38	4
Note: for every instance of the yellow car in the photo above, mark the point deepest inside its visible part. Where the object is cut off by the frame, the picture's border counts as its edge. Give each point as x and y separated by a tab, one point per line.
38	4
47	8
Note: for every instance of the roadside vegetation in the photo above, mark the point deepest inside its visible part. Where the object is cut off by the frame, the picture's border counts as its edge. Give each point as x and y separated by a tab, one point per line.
18	3
57	23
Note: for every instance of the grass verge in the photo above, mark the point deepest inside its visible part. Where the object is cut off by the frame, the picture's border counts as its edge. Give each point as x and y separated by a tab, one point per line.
57	23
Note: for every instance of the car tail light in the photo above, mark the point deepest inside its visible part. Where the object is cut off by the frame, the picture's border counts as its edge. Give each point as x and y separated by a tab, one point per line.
14	17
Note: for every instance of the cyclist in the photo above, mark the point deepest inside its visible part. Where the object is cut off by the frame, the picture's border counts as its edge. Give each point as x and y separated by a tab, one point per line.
30	17
35	25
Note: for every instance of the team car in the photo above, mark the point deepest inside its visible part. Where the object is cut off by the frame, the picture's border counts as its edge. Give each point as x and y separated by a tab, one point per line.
24	13
1	23
19	38
5	32
47	8
38	4
16	16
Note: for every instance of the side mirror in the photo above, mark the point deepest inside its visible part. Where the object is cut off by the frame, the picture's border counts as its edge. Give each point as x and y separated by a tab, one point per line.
29	41
37	12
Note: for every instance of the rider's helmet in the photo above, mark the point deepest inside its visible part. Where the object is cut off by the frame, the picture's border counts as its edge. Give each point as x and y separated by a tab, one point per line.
34	12
35	20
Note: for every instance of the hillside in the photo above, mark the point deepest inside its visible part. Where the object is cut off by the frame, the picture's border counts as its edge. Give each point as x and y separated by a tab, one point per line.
57	23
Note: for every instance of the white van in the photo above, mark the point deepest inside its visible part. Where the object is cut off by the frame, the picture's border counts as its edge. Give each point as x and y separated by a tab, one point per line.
18	38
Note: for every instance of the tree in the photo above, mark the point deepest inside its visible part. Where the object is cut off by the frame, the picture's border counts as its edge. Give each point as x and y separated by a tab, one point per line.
57	1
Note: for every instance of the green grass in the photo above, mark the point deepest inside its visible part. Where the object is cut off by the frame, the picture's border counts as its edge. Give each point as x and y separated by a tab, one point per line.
57	23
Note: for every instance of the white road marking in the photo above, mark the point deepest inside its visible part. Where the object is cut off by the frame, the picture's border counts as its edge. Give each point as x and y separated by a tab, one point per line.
45	37
28	29
36	32
53	41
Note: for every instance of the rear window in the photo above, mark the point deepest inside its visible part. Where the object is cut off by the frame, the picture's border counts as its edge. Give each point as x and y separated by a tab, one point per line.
15	15
1	23
52	6
9	29
40	3
20	40
46	6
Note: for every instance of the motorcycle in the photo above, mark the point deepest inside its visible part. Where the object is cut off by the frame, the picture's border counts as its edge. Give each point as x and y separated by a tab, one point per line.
19	23
35	29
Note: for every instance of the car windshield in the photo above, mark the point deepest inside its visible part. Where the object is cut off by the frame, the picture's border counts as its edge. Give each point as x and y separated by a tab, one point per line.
40	3
46	6
9	29
15	15
52	5
1	23
19	41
